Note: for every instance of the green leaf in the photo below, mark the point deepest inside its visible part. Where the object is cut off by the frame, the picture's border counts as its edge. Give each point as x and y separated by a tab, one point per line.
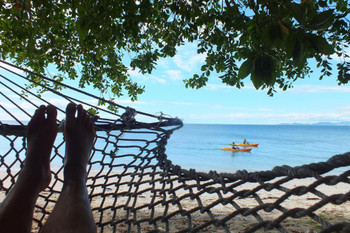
275	32
103	38
264	69
291	39
93	111
298	52
257	82
298	11
300	48
245	69
320	44
321	21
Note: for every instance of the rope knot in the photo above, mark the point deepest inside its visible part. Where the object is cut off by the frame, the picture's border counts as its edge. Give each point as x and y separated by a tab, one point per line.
128	117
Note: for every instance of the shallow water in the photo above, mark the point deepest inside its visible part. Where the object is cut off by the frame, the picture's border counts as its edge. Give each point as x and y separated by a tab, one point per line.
199	146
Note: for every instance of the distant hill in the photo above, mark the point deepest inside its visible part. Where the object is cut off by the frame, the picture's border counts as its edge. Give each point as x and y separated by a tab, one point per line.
333	123
325	123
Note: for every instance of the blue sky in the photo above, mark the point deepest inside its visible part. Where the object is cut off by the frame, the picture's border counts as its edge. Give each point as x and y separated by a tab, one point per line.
310	101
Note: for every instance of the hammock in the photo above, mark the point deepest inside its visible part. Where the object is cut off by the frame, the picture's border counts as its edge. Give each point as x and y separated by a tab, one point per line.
134	187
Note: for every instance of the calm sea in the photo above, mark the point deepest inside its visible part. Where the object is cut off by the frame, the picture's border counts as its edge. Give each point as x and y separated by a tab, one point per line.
199	146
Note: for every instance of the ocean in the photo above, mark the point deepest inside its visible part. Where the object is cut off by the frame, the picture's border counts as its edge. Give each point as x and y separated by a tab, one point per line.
199	146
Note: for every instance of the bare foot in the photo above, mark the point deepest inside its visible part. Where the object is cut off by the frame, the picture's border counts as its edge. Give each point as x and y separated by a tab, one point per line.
41	135
79	134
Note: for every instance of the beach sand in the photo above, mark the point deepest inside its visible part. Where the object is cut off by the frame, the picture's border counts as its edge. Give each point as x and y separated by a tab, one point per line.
133	201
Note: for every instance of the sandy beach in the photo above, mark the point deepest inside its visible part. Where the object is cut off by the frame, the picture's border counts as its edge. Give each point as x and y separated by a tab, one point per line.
139	201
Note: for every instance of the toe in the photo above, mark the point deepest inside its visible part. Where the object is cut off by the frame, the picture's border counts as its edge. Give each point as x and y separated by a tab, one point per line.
80	111
82	115
38	116
51	114
70	112
40	112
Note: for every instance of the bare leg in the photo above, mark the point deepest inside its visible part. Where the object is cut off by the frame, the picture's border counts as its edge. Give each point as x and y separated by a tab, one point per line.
16	212
72	212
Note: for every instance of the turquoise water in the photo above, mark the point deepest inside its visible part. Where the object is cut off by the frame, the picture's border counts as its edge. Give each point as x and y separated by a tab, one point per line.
198	146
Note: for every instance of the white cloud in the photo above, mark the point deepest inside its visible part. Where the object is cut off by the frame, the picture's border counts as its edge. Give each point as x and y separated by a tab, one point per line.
144	78
164	63
5	89
157	103
305	89
189	61
129	101
156	79
267	109
9	68
268	118
343	108
171	103
134	72
341	59
183	103
223	86
215	87
297	89
7	105
174	74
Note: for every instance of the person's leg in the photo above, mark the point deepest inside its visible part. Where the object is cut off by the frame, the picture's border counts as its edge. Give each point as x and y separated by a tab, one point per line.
16	212
72	212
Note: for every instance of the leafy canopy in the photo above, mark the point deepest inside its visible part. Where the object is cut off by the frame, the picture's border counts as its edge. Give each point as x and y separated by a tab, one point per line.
269	41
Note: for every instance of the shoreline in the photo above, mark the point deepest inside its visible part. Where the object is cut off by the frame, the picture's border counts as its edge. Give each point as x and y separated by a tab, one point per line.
334	172
168	193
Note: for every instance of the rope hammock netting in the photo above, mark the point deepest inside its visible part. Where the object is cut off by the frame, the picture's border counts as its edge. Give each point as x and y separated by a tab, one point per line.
133	187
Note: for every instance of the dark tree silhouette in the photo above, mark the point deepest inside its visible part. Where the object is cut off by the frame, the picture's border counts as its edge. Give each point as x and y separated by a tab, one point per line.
269	41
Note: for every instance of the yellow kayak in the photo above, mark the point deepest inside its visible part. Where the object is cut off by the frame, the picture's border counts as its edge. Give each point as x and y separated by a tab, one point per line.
238	149
247	145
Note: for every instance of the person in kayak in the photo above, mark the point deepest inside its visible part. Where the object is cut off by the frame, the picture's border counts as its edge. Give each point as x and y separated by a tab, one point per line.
234	145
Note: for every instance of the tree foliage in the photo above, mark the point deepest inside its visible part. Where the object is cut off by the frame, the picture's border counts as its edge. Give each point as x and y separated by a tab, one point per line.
269	41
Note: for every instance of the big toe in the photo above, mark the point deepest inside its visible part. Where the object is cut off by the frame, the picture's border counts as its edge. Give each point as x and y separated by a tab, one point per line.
51	114
81	112
83	116
70	113
38	116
